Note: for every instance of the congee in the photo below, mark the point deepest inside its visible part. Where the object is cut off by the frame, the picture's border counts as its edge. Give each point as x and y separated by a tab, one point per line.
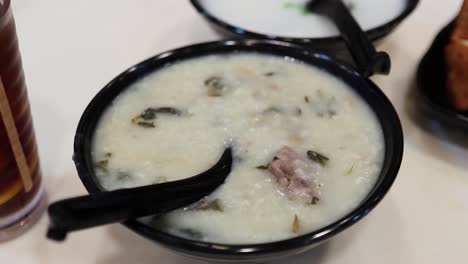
290	18
307	149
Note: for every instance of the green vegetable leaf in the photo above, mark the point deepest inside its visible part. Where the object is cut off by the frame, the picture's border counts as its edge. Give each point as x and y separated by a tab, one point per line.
150	114
215	86
145	124
304	11
272	109
214	205
102	165
317	157
300	7
168	110
289	5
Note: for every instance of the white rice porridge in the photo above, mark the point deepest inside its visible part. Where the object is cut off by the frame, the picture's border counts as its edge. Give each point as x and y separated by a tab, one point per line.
288	18
176	122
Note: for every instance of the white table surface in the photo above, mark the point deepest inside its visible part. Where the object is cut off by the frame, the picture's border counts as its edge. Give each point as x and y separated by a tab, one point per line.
71	49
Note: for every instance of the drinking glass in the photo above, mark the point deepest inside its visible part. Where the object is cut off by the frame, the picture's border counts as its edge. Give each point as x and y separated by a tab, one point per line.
22	198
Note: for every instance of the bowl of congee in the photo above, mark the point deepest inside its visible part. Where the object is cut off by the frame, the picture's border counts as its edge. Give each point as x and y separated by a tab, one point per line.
291	21
315	146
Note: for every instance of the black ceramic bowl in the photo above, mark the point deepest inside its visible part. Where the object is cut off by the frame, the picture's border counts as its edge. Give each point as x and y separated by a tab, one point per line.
256	252
327	44
431	81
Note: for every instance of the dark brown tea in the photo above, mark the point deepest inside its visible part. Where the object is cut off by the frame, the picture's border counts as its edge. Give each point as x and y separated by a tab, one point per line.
20	175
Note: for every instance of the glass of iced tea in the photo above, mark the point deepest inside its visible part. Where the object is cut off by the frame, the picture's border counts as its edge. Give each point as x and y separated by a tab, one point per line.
21	193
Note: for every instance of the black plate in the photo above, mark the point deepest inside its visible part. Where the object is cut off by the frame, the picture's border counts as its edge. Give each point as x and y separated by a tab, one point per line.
329	44
431	82
384	110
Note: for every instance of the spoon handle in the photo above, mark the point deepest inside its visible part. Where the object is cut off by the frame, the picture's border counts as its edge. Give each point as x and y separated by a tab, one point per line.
367	59
117	206
113	207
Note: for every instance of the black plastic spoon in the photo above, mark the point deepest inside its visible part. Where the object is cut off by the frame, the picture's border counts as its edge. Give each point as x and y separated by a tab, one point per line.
367	59
116	206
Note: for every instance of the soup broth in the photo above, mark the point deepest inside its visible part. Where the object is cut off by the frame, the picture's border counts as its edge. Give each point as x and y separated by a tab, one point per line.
307	148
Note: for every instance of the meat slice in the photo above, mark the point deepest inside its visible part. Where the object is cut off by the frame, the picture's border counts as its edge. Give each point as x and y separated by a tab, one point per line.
295	176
